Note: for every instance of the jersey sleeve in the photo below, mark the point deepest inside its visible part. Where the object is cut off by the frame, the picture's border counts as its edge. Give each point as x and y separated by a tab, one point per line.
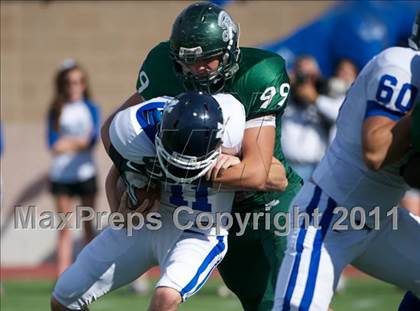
267	87
156	76
389	92
131	133
234	118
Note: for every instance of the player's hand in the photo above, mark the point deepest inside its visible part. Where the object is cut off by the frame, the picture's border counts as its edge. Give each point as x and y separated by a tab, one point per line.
149	201
148	197
223	162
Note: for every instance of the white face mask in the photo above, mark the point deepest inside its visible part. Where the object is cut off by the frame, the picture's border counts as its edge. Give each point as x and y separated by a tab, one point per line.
186	163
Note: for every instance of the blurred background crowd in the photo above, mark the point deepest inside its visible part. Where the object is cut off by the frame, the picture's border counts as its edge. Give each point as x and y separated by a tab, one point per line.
325	45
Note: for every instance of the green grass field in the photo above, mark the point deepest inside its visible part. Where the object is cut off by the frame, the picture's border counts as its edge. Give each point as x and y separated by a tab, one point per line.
360	294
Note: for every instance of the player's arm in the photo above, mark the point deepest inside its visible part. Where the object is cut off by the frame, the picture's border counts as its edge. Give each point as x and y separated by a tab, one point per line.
266	104
385	141
114	188
143	191
386	128
253	170
277	179
232	173
130	147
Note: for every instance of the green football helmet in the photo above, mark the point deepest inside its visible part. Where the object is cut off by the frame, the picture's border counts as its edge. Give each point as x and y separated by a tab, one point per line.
204	31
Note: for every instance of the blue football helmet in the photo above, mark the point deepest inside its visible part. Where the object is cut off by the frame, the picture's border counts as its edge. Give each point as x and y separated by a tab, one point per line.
189	139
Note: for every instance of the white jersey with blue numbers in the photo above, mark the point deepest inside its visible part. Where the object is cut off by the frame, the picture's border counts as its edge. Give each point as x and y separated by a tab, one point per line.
133	137
387	86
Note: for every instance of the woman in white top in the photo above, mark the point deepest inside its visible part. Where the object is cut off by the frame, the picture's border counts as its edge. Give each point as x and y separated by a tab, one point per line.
73	127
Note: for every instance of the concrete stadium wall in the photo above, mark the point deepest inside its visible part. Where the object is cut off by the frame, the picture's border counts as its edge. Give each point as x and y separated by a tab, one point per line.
110	39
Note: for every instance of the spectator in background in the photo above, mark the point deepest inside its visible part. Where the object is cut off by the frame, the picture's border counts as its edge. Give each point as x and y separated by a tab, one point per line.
305	128
73	127
309	121
344	74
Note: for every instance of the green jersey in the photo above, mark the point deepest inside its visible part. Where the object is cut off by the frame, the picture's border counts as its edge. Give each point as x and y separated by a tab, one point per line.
261	85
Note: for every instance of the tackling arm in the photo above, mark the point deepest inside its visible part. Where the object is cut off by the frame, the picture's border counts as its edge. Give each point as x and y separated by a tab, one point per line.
277	179
254	169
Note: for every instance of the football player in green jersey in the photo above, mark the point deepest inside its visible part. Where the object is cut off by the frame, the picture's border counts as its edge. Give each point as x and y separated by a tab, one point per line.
203	54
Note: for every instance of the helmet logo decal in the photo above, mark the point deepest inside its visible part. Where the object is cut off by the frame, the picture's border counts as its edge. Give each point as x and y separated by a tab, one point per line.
197	51
226	22
170	105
